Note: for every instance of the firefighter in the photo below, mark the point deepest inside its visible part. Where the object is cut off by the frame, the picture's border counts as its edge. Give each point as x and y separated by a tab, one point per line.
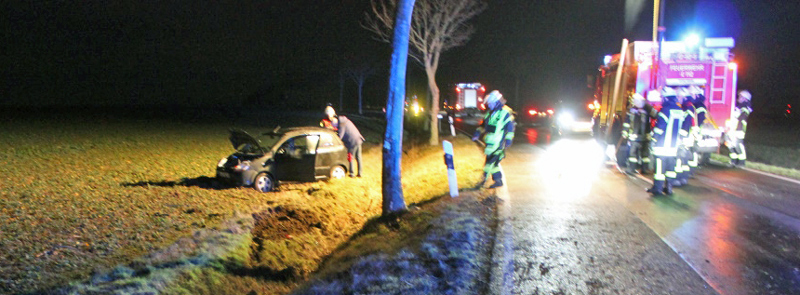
497	129
741	112
701	113
636	130
665	142
686	144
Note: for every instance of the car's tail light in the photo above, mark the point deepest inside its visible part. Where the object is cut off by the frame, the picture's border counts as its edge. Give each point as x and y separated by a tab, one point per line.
242	166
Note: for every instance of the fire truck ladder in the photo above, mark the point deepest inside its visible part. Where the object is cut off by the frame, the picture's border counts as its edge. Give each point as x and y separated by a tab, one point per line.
719	79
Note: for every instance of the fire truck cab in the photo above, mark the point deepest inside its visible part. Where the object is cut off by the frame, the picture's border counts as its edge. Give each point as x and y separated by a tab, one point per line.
708	64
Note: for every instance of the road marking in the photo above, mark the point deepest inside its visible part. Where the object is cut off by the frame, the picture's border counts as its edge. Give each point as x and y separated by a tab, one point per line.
795	181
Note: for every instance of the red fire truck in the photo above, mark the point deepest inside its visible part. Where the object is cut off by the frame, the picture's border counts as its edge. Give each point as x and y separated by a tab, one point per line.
708	64
469	99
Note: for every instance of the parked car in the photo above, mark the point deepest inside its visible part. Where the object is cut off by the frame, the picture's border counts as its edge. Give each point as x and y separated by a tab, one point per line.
574	118
290	154
536	115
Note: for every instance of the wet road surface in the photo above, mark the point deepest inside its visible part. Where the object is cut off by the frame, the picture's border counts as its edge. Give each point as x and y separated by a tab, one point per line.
572	237
583	228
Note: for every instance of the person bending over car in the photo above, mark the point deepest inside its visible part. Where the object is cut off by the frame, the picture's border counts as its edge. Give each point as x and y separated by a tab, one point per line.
349	135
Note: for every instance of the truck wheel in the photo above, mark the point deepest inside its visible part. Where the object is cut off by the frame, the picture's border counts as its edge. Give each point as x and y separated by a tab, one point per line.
264	183
337	172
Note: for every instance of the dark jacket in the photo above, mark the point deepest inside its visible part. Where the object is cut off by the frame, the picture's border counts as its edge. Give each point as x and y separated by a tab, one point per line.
744	109
637	124
700	109
349	133
667	129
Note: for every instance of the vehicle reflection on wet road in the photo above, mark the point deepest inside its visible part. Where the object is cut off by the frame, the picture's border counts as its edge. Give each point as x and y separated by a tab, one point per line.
738	229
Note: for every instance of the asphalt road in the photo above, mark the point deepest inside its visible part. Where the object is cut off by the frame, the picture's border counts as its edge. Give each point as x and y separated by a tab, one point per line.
581	227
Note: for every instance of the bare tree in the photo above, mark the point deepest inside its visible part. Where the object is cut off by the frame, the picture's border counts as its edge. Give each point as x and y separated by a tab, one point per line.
392	187
359	75
436	26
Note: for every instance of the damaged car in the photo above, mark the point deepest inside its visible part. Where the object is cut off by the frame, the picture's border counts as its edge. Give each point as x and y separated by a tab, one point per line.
291	154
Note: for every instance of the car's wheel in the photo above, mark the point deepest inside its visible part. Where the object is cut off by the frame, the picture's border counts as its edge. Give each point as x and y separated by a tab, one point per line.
337	172
264	182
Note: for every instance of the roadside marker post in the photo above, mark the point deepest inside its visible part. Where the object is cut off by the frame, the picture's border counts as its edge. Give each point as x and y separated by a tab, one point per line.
451	170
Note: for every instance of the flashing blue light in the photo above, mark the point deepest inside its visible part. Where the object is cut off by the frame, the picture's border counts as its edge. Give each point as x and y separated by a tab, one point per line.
692	40
606	59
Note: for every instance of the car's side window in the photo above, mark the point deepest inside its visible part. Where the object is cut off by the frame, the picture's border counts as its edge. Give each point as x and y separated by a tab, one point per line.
326	140
311	144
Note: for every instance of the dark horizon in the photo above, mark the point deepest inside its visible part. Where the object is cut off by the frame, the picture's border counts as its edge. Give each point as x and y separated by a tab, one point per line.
235	53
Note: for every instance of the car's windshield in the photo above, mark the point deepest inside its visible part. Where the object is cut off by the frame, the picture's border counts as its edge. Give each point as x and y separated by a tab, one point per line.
265	143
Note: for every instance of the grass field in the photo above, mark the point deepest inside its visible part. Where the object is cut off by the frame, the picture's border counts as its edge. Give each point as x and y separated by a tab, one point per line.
81	198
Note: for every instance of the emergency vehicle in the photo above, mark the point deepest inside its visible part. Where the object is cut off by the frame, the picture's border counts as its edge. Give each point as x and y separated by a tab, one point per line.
706	63
469	99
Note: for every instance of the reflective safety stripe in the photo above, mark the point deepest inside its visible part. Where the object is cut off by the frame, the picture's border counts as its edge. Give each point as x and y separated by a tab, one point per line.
658	131
633	160
671	174
665	151
743	156
659	175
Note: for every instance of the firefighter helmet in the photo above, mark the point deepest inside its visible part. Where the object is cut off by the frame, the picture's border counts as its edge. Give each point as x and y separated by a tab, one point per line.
744	94
638	100
668	92
695	90
683	92
493	98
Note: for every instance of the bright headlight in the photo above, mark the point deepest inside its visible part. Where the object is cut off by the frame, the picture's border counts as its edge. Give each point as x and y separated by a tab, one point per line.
222	162
566	119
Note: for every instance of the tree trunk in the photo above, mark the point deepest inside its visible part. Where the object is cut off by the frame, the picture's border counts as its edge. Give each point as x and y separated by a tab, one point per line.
393	200
434	110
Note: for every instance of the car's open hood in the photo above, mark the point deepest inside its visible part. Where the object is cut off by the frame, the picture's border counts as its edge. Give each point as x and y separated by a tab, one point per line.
240	137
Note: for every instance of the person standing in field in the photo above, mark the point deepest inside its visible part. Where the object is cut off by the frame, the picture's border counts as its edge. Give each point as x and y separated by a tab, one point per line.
497	129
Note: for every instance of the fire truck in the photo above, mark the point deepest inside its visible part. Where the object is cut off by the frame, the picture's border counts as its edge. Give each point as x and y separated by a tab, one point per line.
469	99
706	63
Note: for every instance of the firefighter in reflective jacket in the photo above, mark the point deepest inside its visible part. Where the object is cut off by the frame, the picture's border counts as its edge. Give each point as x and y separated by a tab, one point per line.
665	140
636	130
686	145
701	113
741	112
497	128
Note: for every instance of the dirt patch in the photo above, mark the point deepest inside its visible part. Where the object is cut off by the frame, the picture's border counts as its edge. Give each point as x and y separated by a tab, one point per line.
282	222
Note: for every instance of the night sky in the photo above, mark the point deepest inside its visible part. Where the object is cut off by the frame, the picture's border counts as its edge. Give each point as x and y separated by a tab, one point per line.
290	52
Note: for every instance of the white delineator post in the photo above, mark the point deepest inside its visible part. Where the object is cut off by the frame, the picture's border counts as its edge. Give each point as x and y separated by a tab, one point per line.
451	170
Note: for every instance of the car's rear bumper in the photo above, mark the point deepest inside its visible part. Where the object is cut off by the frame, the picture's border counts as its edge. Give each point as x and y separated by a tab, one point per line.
578	127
